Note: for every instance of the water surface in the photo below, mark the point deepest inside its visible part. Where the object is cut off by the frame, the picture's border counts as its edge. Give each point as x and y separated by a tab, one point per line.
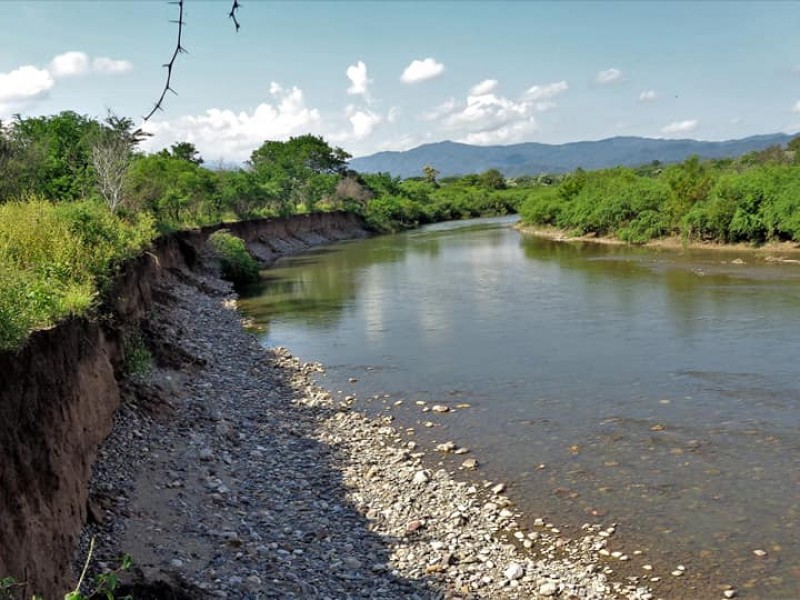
656	389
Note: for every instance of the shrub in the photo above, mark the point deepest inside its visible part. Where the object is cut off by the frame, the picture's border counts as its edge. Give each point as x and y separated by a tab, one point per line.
57	259
237	264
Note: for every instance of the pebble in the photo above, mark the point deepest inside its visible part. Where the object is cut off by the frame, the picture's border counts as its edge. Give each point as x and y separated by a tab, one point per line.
514	571
470	464
548	589
285	492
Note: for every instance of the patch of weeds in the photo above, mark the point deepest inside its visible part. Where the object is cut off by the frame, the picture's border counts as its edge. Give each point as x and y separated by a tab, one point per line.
237	264
137	357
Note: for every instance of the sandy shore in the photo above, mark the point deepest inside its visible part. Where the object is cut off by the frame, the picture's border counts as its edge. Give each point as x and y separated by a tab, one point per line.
788	252
230	474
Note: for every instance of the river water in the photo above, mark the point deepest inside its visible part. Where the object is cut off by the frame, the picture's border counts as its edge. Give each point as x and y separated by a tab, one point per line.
656	389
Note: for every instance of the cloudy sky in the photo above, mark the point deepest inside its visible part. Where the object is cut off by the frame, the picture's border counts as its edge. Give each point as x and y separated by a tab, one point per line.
373	76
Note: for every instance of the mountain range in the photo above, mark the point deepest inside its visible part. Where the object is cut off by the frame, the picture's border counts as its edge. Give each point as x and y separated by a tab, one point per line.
532	158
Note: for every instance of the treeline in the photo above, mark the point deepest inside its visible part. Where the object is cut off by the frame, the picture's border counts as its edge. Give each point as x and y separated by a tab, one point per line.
754	198
78	197
67	157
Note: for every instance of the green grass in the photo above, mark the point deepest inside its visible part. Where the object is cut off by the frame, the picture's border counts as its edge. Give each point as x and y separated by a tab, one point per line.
56	260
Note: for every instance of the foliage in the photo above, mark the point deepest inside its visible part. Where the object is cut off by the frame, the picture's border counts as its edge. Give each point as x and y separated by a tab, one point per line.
298	172
753	199
136	355
55	260
237	264
105	584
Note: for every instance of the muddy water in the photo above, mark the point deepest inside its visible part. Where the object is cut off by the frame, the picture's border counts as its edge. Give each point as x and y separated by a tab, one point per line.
654	389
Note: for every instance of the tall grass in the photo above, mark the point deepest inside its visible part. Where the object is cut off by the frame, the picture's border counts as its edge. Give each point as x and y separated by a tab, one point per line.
57	259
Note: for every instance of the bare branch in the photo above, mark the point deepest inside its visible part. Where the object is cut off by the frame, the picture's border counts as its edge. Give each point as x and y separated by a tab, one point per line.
179	49
232	15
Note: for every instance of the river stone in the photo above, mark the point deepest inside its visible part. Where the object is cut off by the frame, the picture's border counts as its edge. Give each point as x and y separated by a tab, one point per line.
470	464
514	571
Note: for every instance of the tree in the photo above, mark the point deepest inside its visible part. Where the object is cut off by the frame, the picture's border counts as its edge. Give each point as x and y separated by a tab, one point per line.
112	151
492	180
186	151
111	157
301	170
430	174
53	154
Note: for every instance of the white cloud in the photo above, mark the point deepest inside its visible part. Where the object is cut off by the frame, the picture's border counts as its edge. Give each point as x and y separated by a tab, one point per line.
422	70
608	76
359	82
547	91
796	107
484	87
507	134
490	118
364	123
681	126
648	96
393	114
23	84
103	64
445	108
220	133
69	64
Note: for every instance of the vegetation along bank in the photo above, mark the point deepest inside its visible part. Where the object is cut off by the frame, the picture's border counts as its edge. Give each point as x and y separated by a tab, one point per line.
83	251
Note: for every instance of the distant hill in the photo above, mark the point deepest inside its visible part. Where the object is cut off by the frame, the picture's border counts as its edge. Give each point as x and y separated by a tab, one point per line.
451	158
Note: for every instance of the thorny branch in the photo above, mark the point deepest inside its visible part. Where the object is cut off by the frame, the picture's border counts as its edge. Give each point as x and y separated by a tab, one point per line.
179	49
232	15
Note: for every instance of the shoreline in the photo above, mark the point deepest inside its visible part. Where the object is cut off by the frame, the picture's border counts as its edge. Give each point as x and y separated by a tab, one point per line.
671	243
233	475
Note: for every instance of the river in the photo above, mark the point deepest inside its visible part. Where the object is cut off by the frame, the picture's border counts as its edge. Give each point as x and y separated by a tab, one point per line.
656	389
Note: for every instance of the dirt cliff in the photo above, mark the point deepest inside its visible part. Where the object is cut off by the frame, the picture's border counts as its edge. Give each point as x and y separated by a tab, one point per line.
58	395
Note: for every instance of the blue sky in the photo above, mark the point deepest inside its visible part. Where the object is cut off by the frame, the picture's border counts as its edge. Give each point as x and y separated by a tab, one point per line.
373	76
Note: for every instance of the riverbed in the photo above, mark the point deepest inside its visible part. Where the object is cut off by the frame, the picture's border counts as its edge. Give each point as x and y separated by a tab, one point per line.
653	388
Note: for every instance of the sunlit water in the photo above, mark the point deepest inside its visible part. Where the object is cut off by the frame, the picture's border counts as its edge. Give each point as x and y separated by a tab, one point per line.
654	389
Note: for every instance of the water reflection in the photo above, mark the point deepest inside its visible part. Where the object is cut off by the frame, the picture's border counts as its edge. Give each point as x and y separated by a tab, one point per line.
659	388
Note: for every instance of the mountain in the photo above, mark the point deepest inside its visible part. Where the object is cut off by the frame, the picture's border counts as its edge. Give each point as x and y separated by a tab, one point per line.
451	158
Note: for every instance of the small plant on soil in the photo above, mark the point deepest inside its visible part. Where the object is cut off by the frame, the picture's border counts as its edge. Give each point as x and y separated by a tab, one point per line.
237	264
105	584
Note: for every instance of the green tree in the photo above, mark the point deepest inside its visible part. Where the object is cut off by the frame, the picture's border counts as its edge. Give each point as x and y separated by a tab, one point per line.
492	180
300	171
185	151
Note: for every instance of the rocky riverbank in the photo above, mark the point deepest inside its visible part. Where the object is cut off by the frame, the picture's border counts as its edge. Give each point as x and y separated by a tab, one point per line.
230	474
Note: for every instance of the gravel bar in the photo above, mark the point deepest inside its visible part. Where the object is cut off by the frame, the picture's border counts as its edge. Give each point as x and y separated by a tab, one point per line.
231	474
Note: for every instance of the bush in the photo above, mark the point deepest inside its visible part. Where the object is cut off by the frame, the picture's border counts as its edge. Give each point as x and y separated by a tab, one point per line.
57	259
237	264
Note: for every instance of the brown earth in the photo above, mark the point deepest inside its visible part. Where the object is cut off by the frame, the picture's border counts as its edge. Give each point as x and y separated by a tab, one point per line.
59	393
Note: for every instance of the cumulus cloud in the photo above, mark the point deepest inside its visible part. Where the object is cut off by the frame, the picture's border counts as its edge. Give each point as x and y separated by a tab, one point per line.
73	64
796	107
393	114
547	91
103	64
359	82
648	96
444	109
220	133
484	87
364	123
681	126
69	64
486	117
608	76
422	70
24	84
